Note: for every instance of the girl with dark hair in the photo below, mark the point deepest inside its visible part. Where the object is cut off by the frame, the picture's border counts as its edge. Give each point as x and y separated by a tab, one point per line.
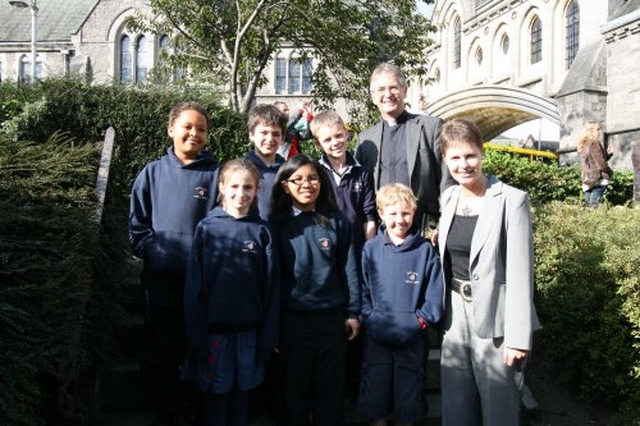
321	292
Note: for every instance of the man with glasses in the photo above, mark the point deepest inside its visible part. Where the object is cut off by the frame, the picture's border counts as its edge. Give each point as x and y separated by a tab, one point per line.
404	147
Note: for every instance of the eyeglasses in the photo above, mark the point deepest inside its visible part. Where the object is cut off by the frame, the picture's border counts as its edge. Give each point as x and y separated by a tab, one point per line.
299	180
392	89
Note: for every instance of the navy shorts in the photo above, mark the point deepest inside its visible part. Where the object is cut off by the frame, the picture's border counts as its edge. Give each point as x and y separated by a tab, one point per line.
393	381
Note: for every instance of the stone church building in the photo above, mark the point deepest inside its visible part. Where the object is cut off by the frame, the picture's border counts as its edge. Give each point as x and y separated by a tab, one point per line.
505	62
500	62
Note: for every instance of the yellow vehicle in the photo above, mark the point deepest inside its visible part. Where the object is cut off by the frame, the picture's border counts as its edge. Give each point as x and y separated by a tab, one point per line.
533	154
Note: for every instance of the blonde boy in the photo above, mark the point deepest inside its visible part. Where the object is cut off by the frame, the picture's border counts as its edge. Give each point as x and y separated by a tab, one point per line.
402	295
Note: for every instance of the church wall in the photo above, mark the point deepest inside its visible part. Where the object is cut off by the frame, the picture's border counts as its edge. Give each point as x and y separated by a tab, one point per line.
623	71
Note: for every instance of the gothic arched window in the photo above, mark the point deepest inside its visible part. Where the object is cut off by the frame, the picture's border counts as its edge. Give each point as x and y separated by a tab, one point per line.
536	40
125	59
457	41
572	28
142	62
281	75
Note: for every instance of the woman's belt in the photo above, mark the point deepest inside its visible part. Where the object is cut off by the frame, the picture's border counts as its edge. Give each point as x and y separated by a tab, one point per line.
463	288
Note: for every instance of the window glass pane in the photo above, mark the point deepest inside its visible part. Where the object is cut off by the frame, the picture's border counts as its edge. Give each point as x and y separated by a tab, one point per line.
281	75
24	73
125	59
573	32
504	44
25	69
164	42
295	71
536	41
142	54
457	30
307	74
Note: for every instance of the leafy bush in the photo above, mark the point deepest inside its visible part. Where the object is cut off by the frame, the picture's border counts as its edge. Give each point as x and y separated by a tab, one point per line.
588	289
552	182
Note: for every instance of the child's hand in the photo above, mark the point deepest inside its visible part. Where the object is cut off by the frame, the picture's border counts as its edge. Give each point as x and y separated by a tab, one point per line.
434	237
352	327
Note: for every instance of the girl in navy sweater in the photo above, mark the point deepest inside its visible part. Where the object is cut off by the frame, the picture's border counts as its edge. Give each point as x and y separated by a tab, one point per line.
321	292
232	298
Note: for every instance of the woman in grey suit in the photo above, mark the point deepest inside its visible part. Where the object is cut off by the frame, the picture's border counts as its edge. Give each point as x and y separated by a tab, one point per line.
486	247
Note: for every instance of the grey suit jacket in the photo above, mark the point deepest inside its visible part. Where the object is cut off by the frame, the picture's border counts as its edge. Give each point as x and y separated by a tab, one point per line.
500	263
423	157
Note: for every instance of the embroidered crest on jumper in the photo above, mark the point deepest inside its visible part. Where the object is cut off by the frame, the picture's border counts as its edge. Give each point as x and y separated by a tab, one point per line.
201	193
357	187
249	246
412	278
325	243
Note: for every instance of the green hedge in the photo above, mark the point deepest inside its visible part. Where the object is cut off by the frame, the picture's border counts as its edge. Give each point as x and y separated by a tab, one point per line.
71	271
47	250
552	182
588	292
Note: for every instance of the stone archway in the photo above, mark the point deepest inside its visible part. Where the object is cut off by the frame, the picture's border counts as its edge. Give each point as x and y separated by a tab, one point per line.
494	108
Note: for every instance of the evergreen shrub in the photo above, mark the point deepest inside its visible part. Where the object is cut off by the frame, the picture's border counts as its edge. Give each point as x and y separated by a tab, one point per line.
47	250
587	296
50	134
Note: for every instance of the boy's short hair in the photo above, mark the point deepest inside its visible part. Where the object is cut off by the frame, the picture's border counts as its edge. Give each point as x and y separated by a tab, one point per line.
180	107
394	193
325	119
266	115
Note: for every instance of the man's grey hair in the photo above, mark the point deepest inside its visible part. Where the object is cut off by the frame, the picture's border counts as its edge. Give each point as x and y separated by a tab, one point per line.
387	68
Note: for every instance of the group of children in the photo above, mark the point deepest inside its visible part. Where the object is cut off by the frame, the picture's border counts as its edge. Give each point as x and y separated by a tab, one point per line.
265	256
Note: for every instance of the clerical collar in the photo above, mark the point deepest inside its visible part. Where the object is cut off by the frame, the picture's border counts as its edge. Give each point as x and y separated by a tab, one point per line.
401	119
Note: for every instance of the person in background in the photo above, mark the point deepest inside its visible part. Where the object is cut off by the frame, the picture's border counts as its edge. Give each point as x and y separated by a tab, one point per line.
403	295
321	292
297	128
267	126
403	147
168	199
635	160
596	173
353	187
486	248
232	298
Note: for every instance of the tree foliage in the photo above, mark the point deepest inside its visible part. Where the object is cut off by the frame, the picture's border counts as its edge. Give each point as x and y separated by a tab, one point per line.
230	42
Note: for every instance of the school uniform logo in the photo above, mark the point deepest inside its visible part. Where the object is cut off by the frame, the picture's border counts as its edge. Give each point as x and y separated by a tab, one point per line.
325	244
201	193
357	187
411	278
249	247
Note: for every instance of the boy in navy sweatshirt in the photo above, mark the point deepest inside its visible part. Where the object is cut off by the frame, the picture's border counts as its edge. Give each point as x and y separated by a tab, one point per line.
169	197
403	295
355	195
267	127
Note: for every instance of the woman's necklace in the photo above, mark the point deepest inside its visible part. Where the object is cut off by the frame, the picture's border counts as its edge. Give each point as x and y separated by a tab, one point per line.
466	210
470	204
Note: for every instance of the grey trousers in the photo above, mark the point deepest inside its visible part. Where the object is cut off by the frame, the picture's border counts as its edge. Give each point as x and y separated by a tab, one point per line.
477	388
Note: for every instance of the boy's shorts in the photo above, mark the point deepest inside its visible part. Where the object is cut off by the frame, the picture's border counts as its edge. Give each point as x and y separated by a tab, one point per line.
393	381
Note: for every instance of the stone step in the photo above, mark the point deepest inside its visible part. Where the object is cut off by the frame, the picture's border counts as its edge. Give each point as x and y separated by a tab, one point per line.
122	387
144	417
130	336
